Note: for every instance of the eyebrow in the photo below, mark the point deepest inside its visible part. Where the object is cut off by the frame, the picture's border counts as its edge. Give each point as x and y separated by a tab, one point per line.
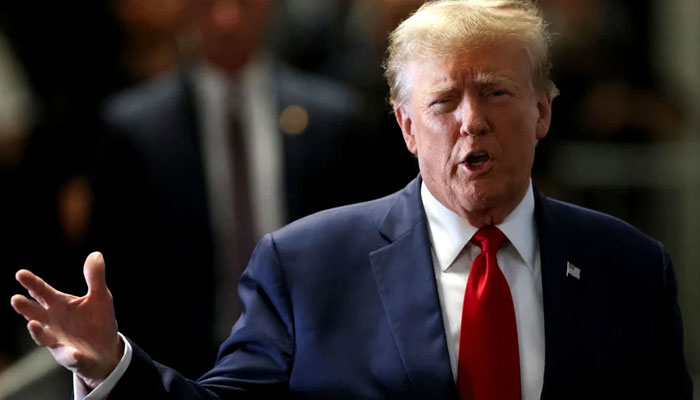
443	88
488	78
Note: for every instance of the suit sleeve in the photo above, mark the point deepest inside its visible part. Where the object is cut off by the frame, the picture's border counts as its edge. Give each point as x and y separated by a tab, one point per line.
674	380
256	359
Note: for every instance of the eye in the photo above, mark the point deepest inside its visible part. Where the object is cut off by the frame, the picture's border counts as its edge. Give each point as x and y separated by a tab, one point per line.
497	92
443	105
440	101
443	102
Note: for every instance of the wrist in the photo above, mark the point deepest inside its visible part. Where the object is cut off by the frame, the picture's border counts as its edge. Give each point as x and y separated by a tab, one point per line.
115	358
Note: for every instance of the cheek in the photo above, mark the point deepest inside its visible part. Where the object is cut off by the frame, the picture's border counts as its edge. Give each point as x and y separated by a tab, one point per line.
518	141
524	153
435	140
429	135
443	144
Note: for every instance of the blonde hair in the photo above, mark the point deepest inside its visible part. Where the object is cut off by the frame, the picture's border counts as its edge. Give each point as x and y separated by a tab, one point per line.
442	27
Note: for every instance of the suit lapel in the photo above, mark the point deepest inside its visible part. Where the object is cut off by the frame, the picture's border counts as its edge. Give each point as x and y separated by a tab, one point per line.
404	274
561	299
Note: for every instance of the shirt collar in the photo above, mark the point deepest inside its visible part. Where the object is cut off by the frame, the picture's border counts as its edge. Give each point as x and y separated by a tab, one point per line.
211	82
449	232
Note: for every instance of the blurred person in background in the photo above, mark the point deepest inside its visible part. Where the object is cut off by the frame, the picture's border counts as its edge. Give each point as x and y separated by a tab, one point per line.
202	160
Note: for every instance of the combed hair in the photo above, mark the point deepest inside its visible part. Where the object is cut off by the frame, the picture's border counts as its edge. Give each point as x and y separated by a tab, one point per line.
443	27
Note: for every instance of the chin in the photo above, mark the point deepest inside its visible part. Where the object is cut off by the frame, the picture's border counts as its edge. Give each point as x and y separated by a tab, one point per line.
484	196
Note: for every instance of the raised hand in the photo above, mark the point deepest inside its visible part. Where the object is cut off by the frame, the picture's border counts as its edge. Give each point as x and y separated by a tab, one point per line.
80	332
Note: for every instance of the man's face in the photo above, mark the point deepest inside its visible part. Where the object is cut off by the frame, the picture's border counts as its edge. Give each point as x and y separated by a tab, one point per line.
473	120
231	30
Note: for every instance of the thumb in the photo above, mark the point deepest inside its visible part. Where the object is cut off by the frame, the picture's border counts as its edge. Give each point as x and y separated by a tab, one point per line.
94	272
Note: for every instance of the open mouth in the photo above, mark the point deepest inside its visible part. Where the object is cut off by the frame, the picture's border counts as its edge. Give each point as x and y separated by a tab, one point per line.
477	160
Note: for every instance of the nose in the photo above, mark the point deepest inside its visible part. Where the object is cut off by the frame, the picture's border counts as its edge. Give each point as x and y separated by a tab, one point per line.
473	118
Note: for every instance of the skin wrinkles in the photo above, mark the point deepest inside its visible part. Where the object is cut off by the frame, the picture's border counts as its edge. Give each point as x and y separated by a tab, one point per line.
479	100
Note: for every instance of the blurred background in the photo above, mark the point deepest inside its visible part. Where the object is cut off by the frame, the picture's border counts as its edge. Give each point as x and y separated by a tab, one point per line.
625	137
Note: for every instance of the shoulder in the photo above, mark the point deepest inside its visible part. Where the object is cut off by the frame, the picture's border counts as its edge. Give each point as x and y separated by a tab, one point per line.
314	92
585	220
352	224
156	117
597	232
146	103
615	256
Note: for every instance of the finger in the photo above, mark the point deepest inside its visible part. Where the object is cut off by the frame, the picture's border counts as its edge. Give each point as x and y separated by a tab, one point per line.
41	335
29	309
41	291
94	271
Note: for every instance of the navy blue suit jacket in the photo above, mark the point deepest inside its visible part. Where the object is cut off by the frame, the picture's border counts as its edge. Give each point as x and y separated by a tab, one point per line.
343	304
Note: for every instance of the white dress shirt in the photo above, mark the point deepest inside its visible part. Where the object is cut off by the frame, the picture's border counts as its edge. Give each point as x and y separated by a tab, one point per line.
453	254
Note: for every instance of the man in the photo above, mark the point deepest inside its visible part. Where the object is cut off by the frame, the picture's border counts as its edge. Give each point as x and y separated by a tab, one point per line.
170	204
373	301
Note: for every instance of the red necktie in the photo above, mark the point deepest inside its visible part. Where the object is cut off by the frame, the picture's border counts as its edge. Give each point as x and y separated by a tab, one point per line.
489	364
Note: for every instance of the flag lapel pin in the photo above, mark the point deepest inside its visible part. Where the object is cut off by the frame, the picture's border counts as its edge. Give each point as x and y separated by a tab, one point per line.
572	270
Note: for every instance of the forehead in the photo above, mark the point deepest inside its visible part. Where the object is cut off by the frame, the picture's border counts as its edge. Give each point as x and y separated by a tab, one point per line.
506	61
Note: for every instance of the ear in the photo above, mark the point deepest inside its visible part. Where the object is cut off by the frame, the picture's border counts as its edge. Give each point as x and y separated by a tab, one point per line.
404	120
544	110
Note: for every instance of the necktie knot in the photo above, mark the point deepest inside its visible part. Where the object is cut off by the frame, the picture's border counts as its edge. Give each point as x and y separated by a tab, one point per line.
490	239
